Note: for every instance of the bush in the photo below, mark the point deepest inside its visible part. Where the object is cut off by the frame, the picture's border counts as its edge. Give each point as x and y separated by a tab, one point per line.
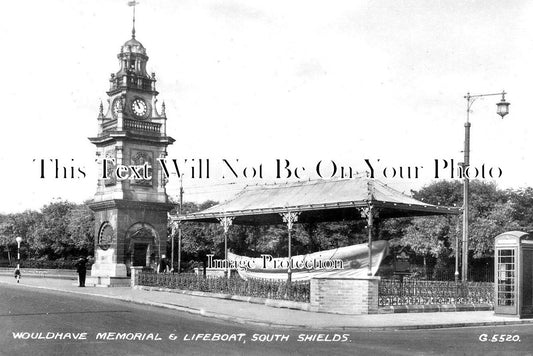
45	264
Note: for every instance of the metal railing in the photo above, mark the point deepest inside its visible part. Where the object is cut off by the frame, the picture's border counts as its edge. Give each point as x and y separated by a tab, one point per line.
271	289
421	292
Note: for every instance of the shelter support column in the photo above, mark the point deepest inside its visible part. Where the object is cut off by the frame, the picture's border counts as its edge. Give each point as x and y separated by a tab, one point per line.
290	218
176	226
369	212
179	249
226	222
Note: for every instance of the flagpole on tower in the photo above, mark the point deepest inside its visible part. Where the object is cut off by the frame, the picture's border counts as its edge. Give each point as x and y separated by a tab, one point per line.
133	3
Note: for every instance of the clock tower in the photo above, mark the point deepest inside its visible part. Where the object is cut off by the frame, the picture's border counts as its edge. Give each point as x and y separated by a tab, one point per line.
130	203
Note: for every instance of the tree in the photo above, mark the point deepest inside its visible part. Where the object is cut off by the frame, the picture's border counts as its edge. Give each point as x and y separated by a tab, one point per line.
484	229
492	211
200	239
51	238
522	204
427	236
448	193
64	230
80	228
21	224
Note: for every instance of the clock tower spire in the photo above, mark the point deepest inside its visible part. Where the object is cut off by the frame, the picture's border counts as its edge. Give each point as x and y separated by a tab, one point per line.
133	3
130	203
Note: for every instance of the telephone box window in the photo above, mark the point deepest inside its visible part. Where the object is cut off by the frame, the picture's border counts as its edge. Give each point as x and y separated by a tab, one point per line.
506	277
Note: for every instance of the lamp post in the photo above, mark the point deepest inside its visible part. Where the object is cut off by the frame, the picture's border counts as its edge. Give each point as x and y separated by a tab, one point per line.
19	240
17	270
502	109
178	226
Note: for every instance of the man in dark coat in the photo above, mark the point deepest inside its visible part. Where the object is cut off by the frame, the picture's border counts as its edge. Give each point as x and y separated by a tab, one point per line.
163	266
81	268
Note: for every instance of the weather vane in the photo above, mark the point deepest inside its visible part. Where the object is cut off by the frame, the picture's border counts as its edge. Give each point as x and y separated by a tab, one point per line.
133	3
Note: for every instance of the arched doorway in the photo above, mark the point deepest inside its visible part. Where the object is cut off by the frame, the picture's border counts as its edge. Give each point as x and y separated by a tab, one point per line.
143	242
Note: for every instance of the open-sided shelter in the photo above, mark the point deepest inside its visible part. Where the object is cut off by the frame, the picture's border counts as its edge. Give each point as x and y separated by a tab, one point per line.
315	201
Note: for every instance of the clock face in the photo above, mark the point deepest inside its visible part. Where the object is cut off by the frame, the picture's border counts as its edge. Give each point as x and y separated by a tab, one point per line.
139	108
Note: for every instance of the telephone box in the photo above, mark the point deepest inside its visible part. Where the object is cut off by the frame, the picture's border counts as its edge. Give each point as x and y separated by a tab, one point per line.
513	263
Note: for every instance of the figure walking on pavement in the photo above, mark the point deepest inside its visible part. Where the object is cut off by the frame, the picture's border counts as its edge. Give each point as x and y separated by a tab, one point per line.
17	273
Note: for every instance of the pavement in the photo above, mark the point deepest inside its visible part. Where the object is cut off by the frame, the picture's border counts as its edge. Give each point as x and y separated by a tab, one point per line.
262	315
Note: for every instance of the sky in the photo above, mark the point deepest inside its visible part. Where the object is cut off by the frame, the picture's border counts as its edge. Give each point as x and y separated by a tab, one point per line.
256	81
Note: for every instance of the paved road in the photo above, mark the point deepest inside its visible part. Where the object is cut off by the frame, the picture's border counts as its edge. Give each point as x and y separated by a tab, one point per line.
42	322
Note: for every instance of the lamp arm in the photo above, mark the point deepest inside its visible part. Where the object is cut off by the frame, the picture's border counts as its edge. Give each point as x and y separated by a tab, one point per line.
472	98
468	95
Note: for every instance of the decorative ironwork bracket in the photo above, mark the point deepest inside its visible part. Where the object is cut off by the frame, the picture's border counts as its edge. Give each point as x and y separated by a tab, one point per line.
290	218
369	211
226	222
175	225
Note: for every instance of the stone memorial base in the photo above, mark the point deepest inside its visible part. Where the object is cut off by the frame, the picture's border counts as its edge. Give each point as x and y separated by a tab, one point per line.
104	281
108	275
109	270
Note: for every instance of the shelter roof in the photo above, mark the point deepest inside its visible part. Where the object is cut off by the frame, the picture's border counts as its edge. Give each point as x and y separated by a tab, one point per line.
317	201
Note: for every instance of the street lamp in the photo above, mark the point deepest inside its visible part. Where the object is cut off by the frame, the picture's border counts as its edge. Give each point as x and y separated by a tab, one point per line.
17	270
19	240
502	109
